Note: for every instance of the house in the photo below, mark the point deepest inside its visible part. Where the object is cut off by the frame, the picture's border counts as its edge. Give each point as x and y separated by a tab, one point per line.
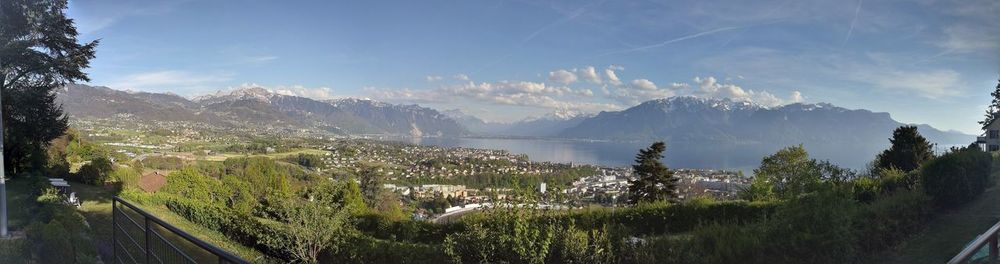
990	139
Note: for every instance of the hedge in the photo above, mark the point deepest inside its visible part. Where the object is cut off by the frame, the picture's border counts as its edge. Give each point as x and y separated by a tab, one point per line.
656	219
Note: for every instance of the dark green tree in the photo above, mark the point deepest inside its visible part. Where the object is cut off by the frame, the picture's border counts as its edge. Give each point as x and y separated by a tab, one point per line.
909	149
654	182
39	53
993	110
371	179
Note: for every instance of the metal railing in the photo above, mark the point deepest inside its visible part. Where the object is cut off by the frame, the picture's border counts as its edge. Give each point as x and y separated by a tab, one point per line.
151	240
989	238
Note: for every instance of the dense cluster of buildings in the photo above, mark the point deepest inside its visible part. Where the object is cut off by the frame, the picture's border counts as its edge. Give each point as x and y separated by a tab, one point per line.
413	161
611	184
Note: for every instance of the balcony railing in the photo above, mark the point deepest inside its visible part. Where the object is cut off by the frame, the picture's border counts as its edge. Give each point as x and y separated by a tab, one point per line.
140	237
988	239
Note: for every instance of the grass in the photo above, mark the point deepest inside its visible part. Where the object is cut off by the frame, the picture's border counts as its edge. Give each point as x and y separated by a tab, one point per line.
96	208
19	195
224	156
949	232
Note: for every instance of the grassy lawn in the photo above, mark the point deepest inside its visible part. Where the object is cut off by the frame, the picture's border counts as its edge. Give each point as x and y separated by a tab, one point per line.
224	156
96	208
19	194
949	232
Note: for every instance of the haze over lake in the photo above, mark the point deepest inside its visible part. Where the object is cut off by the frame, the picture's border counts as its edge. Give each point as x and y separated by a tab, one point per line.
678	155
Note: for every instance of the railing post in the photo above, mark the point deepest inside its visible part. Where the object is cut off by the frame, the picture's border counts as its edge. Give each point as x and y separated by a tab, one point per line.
114	230
994	251
146	235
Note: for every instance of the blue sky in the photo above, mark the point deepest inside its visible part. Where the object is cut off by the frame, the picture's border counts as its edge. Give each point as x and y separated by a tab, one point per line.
923	61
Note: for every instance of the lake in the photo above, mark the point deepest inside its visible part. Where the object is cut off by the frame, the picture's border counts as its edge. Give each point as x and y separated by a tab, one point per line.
744	157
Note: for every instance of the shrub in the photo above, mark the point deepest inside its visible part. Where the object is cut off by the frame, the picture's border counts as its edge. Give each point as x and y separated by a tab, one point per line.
891	219
14	251
509	235
365	249
381	227
956	177
657	219
573	245
96	172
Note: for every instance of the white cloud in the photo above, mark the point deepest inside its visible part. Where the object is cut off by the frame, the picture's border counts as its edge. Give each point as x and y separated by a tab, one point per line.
970	38
644	84
590	74
709	87
433	78
320	93
612	77
796	97
261	59
562	76
516	93
169	80
461	77
933	84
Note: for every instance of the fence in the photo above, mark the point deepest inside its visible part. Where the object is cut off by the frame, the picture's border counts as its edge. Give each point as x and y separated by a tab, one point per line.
140	237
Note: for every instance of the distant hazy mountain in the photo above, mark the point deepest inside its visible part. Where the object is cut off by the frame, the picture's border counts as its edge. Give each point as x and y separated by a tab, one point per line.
257	106
693	120
103	102
549	125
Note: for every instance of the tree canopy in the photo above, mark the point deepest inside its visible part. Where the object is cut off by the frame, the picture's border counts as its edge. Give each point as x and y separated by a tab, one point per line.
993	110
790	172
39	53
909	149
654	182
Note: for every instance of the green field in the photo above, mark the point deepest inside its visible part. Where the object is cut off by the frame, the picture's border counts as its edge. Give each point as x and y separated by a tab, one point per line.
224	156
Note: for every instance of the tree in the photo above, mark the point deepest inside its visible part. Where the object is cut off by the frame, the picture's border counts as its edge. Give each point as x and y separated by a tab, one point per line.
97	171
790	172
909	149
993	110
371	184
313	228
654	182
39	53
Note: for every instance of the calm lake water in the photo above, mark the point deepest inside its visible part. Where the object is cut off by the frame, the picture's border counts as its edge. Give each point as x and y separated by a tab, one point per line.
703	156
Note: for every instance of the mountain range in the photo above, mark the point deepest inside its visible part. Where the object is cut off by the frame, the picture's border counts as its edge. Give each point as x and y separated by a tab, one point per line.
688	120
260	107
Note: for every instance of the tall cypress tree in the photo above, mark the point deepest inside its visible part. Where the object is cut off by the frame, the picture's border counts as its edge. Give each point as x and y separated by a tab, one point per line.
39	53
909	149
993	110
654	182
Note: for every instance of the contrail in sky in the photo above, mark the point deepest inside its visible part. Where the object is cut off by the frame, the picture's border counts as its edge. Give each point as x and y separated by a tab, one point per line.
853	22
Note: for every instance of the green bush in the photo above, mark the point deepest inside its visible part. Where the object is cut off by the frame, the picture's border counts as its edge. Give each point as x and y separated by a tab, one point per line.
657	219
14	251
381	227
573	245
509	235
889	220
365	249
957	177
95	173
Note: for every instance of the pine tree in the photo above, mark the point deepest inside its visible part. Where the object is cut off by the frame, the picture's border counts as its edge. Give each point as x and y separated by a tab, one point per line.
39	54
654	182
909	149
993	110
